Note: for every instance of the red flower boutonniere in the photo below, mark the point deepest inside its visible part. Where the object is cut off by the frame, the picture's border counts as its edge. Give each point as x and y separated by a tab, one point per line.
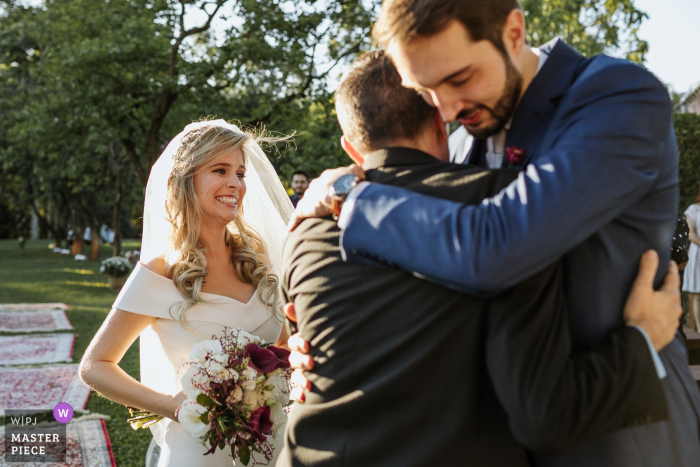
515	155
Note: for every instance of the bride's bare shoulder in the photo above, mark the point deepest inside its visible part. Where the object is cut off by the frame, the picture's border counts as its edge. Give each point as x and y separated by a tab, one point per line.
156	265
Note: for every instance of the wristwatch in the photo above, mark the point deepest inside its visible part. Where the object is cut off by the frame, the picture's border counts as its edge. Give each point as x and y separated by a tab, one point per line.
339	191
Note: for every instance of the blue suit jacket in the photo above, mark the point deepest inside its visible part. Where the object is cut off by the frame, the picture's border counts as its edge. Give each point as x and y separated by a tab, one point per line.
600	187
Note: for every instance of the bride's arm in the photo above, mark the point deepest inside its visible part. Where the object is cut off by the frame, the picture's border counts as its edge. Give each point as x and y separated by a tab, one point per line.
99	367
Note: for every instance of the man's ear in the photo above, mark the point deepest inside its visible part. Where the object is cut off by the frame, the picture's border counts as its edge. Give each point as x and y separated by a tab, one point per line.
514	35
442	135
441	127
351	151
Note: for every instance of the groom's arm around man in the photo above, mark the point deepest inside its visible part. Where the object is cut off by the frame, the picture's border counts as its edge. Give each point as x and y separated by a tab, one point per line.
498	369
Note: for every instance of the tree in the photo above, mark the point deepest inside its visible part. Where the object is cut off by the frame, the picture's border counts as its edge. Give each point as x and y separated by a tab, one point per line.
590	26
91	91
126	65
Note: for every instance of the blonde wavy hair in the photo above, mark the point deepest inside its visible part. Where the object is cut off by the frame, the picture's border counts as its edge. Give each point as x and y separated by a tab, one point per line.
185	262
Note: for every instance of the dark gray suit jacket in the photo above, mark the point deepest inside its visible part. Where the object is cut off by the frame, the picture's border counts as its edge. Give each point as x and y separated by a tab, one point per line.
410	373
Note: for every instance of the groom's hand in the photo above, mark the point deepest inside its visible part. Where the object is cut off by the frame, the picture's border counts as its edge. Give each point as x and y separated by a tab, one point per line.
316	201
657	312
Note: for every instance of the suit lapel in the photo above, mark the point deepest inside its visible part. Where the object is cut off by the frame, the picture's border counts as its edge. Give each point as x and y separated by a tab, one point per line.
536	109
477	153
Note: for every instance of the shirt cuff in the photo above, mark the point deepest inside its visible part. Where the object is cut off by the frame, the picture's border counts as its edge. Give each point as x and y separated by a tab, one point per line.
349	204
660	369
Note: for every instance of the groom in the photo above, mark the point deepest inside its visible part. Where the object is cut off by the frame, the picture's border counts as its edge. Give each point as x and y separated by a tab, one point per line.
600	187
414	374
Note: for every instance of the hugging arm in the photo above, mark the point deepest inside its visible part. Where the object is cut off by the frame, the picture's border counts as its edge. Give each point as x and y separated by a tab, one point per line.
556	398
608	153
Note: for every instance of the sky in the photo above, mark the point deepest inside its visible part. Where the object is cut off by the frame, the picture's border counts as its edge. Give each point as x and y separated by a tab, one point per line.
673	33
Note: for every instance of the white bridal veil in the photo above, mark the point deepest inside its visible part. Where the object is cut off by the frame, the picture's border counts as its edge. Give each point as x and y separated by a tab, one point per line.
266	207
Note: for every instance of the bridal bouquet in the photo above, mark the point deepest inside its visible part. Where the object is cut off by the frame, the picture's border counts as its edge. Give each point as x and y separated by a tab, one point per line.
236	388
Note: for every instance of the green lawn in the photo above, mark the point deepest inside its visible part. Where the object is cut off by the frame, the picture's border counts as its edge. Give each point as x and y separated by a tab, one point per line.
36	275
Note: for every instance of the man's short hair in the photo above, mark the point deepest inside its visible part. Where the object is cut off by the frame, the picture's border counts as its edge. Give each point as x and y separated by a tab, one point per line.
405	20
300	172
375	109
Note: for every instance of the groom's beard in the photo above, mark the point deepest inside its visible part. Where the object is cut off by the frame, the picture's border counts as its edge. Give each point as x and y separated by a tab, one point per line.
505	107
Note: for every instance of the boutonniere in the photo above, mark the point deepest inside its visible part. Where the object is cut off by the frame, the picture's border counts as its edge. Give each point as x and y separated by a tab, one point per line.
515	155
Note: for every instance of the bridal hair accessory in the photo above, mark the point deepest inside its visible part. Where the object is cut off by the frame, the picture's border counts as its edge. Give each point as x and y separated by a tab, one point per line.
236	388
188	140
515	155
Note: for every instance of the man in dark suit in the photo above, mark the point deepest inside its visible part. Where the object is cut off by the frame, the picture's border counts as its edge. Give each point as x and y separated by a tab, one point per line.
600	187
411	373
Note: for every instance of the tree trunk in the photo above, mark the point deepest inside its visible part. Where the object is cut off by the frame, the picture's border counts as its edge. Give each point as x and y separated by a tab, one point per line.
35	222
115	217
78	242
95	242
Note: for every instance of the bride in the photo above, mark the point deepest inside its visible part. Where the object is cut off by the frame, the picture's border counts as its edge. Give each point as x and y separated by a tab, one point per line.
203	267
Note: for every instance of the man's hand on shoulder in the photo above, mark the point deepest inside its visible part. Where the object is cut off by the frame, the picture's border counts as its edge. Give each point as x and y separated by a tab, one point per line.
316	201
656	312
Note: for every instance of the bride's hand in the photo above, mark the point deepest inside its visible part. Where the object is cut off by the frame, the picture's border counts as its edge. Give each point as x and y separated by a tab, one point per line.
174	404
316	201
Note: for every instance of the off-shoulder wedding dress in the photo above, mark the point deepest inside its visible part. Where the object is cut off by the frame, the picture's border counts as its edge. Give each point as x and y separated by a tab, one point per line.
165	346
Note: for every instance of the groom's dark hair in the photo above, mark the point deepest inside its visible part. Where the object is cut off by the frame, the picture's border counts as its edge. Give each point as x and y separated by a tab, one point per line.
405	20
374	109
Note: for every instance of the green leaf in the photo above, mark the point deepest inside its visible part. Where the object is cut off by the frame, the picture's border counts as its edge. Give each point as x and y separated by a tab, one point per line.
244	452
206	401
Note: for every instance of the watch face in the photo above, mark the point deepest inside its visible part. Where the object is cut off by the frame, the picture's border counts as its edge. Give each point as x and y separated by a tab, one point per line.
344	184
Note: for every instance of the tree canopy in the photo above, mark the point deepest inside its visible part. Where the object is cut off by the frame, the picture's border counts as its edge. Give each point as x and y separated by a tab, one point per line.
92	90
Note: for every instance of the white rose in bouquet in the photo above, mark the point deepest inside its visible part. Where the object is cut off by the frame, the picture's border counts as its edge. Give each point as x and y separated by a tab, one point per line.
235	397
228	373
245	338
218	363
193	375
200	351
250	376
280	391
189	417
278	417
253	399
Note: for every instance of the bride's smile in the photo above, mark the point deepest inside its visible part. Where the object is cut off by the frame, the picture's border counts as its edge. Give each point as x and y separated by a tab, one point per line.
220	187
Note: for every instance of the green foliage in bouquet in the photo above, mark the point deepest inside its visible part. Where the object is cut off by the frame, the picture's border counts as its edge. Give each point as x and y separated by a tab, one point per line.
688	136
117	266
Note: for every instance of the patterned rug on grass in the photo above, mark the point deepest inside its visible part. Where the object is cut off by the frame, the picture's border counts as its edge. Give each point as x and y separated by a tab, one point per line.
41	387
87	444
34	321
33	306
36	348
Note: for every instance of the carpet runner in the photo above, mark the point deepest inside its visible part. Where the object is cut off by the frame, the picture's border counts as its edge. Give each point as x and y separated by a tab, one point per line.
36	348
43	320
88	445
33	306
42	387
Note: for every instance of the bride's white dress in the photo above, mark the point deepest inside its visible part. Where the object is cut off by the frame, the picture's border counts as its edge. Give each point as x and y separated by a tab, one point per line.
167	349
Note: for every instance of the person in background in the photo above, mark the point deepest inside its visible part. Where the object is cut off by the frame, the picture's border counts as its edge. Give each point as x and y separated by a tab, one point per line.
691	278
300	182
679	254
